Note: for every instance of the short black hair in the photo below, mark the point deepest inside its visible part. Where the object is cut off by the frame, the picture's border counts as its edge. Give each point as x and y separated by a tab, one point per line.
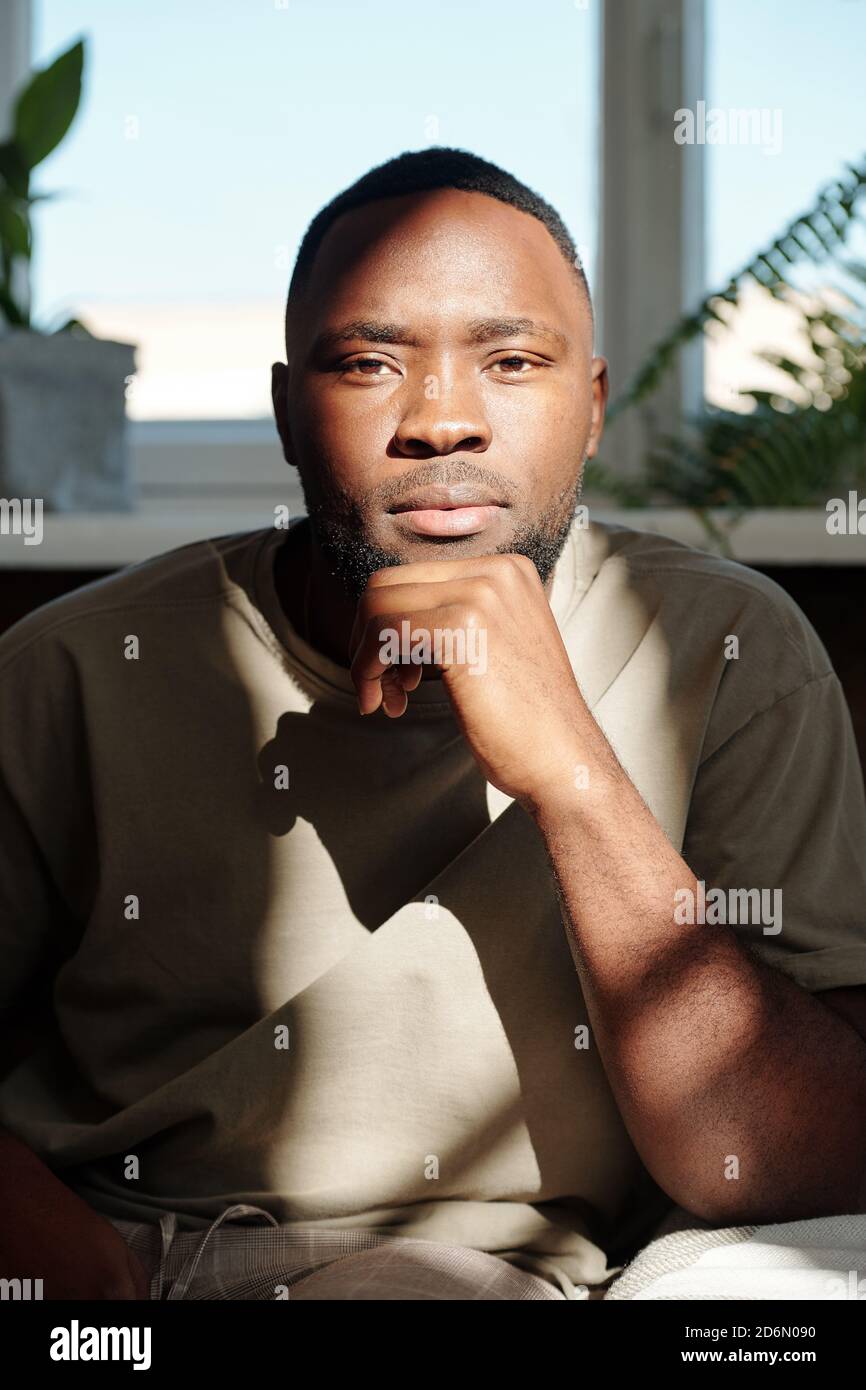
420	171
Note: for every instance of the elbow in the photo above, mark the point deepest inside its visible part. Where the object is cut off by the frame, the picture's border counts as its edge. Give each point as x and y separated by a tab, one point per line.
732	1203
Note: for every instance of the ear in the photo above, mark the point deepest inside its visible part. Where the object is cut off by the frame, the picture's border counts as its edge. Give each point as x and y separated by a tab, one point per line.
599	404
279	396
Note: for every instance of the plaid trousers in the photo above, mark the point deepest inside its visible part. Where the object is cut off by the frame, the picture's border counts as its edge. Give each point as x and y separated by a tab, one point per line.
279	1261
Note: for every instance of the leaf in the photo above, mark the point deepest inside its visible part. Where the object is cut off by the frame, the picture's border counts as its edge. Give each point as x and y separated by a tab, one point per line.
75	327
11	312
13	170
14	228
817	233
47	106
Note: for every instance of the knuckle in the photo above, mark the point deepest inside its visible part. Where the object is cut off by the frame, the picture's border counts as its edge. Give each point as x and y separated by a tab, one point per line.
373	617
467	615
379	622
486	592
379	578
522	565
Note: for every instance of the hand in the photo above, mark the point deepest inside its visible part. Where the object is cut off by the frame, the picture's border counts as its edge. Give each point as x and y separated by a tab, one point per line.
49	1233
507	672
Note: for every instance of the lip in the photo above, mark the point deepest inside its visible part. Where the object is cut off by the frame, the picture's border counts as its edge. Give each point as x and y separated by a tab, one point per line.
448	521
439	496
462	509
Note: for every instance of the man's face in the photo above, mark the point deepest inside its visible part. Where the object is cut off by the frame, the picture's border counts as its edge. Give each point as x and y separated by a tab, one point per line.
441	394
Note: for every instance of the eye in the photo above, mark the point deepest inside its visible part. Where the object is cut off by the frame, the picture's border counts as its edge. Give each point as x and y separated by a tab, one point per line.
366	366
516	364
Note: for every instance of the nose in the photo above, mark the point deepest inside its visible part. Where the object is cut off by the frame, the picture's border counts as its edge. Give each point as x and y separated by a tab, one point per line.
440	420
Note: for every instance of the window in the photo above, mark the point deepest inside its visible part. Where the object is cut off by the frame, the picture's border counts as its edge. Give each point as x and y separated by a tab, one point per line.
211	132
801	68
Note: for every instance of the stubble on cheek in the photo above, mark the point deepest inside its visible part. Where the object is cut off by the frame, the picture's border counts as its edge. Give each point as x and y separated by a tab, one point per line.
350	522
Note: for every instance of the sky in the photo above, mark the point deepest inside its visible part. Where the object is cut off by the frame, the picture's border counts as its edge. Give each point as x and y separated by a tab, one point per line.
211	131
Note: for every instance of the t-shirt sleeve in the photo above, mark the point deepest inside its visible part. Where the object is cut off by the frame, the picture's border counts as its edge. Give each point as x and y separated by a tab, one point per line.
780	805
31	911
46	833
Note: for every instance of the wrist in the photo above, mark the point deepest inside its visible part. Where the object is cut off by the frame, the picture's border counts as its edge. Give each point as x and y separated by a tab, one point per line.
582	791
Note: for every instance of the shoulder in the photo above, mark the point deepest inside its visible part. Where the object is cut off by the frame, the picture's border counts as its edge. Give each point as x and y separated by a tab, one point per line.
196	574
701	599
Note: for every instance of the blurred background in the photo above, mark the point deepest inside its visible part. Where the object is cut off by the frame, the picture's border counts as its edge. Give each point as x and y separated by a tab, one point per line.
708	157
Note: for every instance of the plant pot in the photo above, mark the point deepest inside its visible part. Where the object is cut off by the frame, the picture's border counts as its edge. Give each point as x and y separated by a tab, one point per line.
63	421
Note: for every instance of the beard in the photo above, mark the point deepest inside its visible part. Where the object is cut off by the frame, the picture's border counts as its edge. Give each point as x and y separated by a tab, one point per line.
337	523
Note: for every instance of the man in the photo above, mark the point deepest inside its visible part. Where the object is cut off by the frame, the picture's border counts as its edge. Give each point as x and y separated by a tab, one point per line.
442	869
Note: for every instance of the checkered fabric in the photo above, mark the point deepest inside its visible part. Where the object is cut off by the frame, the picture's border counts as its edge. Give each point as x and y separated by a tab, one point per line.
256	1260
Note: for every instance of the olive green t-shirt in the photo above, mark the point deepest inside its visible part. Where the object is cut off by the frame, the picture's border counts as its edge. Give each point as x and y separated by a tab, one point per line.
315	962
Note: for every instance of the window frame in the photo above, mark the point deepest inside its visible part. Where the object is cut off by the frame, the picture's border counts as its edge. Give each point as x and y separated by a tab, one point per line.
651	253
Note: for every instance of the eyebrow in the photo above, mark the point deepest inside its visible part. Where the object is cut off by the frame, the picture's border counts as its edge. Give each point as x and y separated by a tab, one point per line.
478	331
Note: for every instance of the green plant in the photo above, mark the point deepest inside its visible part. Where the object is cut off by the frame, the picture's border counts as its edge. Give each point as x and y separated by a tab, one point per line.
44	111
792	445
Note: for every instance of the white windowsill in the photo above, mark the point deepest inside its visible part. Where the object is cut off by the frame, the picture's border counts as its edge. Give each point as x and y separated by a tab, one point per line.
200	478
91	541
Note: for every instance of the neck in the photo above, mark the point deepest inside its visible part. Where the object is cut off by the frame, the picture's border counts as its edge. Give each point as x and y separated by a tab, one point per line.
312	599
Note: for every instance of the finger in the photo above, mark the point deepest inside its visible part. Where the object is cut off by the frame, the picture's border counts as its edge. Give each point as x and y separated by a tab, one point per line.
409	599
368	667
395	578
405	594
394	697
439	571
411	676
372	659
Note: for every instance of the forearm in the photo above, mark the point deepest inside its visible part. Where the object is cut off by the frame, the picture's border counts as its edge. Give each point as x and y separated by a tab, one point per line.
719	1064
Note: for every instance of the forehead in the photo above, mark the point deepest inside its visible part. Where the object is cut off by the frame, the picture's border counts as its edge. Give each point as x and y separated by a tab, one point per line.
440	255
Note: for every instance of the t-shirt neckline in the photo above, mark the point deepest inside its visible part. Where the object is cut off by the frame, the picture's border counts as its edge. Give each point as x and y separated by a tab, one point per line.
430	694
